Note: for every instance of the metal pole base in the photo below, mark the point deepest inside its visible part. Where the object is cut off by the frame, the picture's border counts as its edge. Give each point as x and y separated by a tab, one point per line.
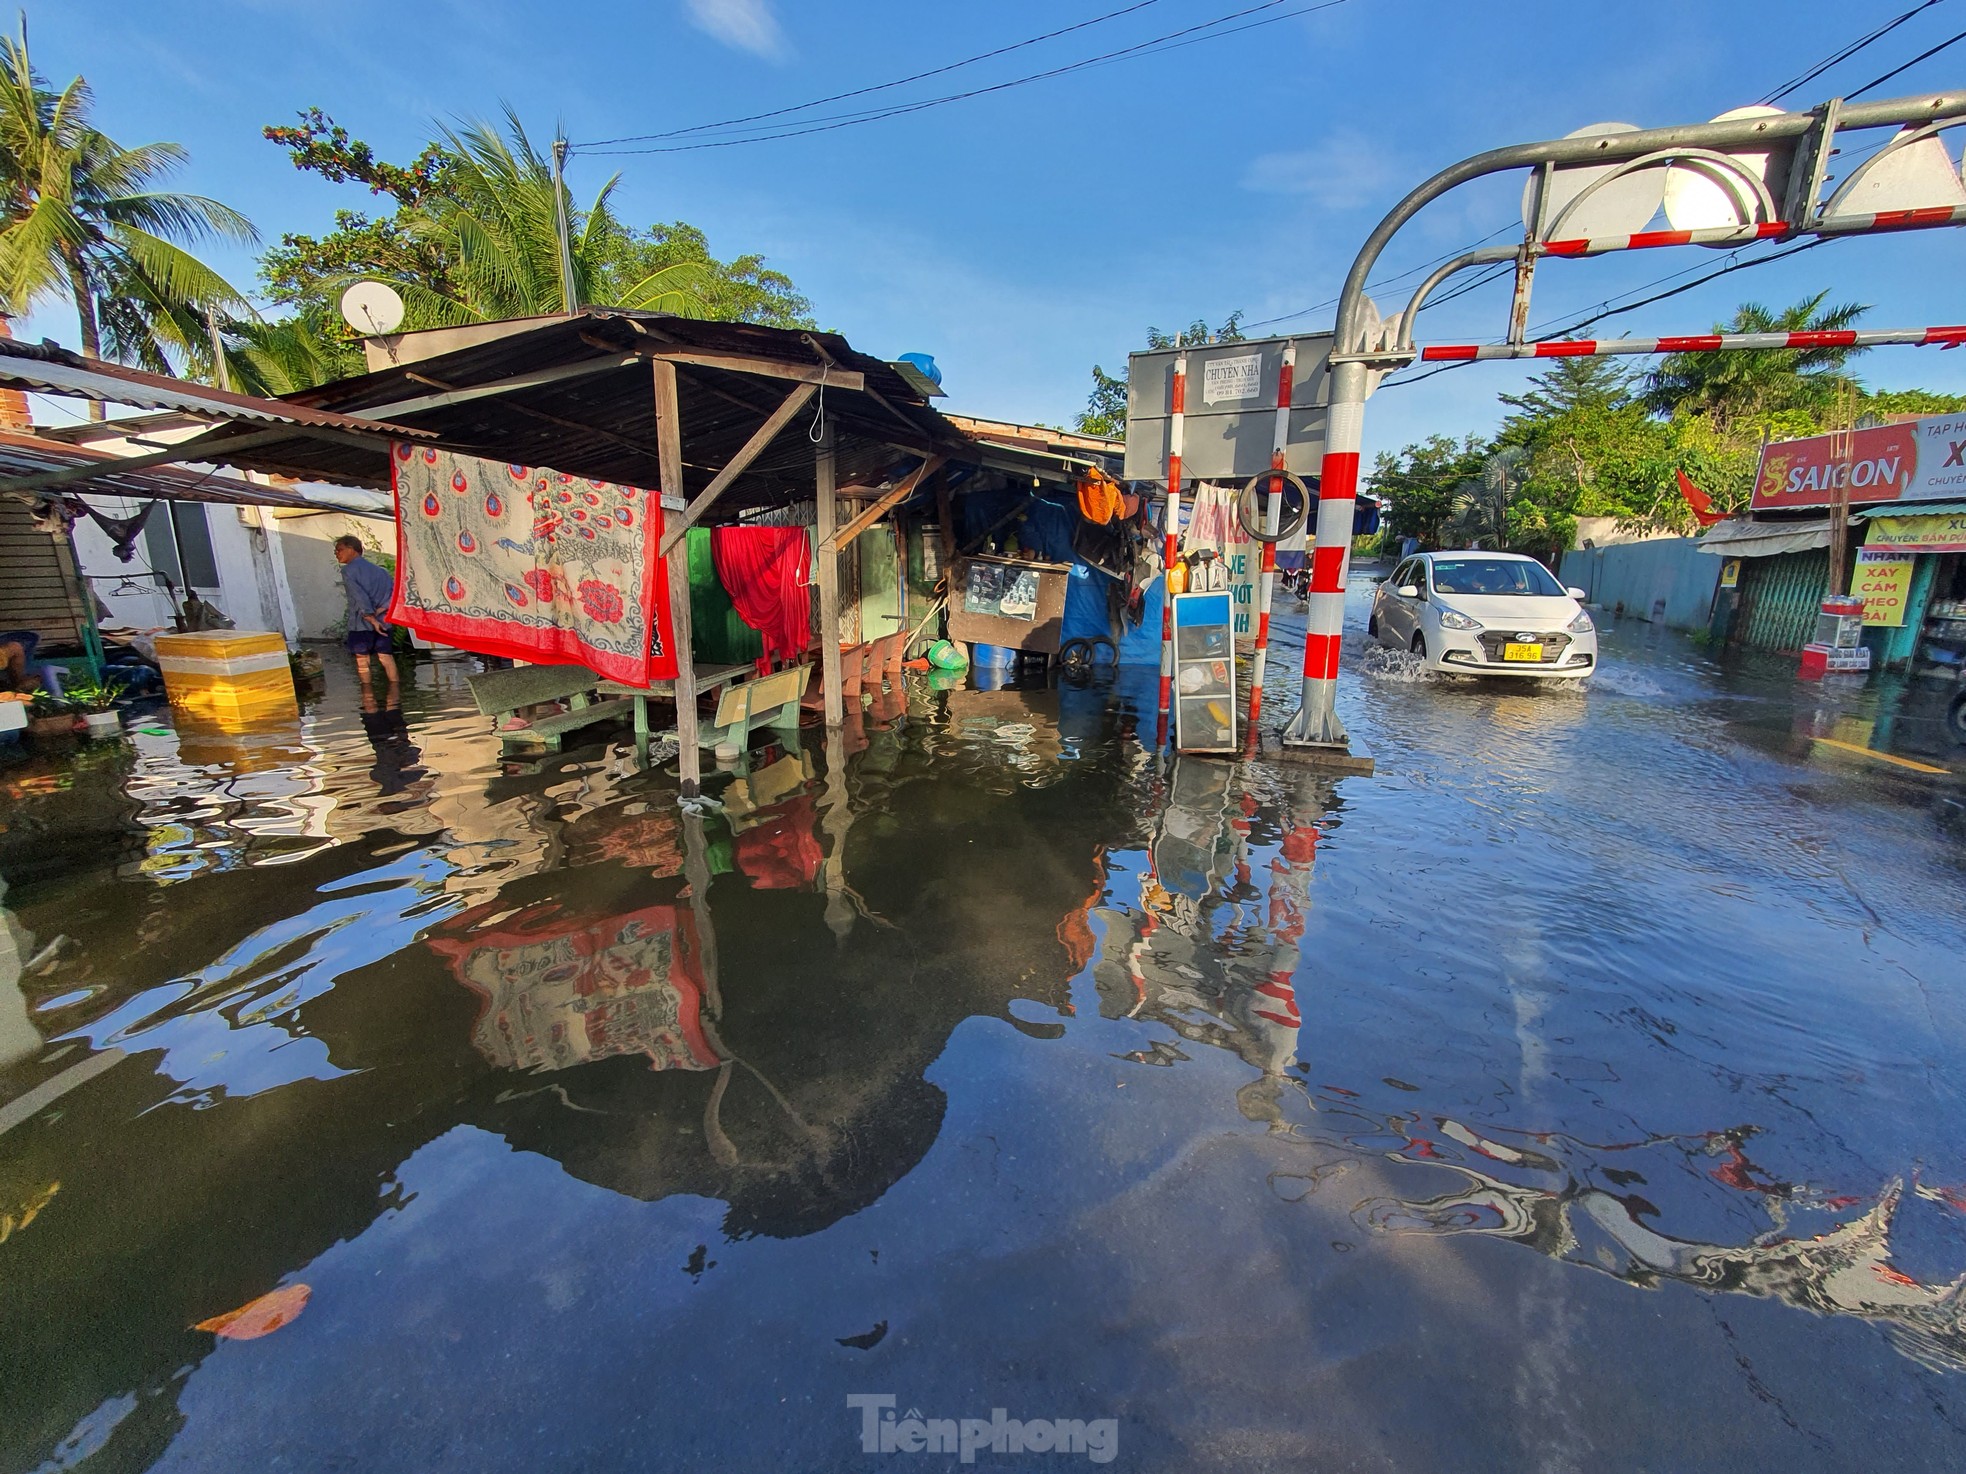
1316	723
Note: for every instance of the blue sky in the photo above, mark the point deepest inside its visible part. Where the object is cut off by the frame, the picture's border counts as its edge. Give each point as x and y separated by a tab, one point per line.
1024	235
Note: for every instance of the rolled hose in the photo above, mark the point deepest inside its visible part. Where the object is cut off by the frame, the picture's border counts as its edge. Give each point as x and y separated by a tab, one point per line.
1291	523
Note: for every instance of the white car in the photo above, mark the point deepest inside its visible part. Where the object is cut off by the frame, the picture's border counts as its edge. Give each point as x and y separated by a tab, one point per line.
1488	614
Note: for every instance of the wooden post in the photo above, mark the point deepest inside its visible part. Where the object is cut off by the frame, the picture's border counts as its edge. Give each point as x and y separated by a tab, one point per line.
827	513
669	440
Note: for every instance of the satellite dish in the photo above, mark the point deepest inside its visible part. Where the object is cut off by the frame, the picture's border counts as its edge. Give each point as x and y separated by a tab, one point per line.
1622	207
1712	196
1909	176
372	308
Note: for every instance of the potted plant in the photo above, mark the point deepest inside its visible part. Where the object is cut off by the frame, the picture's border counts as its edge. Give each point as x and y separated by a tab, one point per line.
49	715
96	700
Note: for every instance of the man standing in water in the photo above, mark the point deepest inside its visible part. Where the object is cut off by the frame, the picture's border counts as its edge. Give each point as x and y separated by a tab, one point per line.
368	588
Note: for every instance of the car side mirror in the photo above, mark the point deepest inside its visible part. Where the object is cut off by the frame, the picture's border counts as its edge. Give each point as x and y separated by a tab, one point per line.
1408	591
1578	594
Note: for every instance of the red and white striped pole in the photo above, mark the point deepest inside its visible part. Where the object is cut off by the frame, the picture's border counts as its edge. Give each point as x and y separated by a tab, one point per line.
1272	519
1316	723
1177	406
1944	337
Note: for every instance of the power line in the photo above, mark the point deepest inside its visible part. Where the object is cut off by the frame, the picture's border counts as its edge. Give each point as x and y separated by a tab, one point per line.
1386	281
1845	54
1168	42
1879	81
1581	323
883	86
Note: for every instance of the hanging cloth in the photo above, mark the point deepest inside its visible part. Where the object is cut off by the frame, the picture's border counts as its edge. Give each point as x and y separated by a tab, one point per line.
1210	518
767	572
122	531
531	563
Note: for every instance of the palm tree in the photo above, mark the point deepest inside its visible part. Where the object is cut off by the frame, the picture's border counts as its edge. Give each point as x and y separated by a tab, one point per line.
1480	515
492	220
1728	386
79	219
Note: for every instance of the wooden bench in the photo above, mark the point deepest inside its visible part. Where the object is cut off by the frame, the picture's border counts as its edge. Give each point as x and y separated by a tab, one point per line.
500	693
768	701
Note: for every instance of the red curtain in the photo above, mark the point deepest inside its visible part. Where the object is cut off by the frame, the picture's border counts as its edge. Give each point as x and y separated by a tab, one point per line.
766	571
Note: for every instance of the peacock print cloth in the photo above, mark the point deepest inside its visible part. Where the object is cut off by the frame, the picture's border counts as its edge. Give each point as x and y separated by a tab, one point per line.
531	563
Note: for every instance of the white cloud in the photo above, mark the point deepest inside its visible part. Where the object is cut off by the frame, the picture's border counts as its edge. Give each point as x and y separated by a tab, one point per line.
1346	170
749	25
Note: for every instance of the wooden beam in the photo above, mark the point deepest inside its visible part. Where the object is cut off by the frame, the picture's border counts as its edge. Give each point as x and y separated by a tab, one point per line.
539	414
843	539
769	368
945	516
669	436
532	380
739	463
826	512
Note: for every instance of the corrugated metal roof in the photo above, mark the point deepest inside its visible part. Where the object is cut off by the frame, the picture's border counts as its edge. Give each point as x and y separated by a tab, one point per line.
1738	537
598	418
1914	509
28	455
44	369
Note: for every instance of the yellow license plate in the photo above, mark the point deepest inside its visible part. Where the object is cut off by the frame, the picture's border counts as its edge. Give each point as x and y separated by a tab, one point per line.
1522	652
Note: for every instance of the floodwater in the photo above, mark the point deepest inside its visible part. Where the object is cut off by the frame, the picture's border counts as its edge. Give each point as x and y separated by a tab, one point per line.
1581	1091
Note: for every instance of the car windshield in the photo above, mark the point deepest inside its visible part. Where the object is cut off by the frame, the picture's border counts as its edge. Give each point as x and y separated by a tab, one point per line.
1494	576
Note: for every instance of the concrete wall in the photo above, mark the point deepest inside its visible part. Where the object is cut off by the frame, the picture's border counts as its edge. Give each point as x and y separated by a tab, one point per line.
313	576
1664	580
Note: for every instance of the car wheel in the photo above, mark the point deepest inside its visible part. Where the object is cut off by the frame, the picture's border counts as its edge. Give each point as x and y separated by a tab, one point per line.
1419	645
1372	624
1956	718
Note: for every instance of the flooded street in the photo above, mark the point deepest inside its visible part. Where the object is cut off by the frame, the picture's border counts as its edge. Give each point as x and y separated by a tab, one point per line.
1583	1090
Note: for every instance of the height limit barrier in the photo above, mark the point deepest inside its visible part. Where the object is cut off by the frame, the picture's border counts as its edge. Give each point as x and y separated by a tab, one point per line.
1752	176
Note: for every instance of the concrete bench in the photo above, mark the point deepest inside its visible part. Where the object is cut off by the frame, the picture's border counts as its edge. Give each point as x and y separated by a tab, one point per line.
500	693
708	678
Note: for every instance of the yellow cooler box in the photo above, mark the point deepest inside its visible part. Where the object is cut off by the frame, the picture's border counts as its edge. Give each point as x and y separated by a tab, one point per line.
228	675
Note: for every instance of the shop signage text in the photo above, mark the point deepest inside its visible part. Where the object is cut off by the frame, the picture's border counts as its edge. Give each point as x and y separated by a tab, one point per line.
1918	460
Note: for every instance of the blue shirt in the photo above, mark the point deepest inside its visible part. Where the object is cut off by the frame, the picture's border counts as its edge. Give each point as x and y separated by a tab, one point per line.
369	589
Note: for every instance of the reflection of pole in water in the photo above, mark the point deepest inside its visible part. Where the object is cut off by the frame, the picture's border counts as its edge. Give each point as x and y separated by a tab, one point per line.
1269	1011
839	819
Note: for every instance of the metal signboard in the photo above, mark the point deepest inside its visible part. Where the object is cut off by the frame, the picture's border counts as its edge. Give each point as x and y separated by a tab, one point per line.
1229	418
1910	461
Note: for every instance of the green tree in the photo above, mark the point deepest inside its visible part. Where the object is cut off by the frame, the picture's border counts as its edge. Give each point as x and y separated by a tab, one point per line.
1569	384
1105	407
81	218
1421	481
1728	385
472	236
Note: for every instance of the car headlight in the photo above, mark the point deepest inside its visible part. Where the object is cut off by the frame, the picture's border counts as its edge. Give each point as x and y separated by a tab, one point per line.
1581	625
1453	619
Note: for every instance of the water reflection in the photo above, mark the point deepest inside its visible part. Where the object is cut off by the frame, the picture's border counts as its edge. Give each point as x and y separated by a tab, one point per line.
388	964
1209	949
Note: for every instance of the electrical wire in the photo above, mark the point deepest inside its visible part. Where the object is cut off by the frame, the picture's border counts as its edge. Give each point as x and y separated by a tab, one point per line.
1169	42
1584	322
1922	56
1795	83
881	86
1388	280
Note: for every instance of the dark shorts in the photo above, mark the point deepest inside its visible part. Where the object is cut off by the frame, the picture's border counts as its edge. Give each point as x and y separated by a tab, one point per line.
368	642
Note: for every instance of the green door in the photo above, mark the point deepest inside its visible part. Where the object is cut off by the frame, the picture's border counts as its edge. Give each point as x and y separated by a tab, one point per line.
1780	599
883	603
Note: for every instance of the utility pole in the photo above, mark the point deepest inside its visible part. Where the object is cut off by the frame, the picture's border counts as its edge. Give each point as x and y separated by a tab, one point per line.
567	299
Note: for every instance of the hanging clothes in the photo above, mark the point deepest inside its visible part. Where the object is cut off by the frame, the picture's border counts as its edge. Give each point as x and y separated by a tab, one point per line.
1211	518
531	563
768	571
122	531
